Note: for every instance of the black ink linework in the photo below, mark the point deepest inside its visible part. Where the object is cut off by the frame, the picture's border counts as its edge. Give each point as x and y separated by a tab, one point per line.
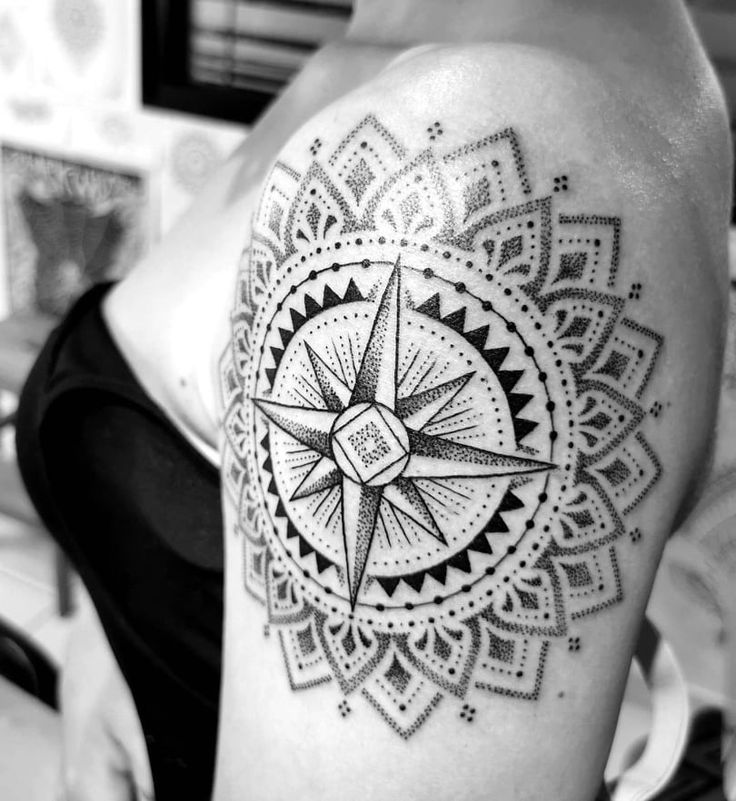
434	412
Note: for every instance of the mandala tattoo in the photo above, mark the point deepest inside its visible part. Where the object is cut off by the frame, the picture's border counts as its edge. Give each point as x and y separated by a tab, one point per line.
434	412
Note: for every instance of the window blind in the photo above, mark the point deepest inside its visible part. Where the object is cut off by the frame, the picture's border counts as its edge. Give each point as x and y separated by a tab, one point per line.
259	44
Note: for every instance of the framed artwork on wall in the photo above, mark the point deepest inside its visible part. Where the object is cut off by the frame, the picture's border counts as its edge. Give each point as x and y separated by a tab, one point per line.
229	58
68	223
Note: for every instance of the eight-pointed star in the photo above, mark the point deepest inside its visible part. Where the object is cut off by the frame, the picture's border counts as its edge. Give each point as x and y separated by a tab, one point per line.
370	442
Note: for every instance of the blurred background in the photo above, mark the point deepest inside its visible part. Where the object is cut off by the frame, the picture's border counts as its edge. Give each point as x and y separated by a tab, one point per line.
113	114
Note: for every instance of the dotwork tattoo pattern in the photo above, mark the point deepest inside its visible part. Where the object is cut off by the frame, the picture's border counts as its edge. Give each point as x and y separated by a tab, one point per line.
434	405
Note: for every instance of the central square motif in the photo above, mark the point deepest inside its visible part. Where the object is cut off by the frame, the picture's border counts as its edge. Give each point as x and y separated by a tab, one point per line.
369	443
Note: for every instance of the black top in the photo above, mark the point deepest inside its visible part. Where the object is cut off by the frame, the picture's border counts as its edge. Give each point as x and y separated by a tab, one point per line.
137	509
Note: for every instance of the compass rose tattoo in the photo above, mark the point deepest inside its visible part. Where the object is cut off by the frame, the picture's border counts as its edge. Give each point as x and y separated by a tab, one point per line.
435	413
371	444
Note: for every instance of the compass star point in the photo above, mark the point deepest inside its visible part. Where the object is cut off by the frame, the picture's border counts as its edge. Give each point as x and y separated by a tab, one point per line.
324	474
335	393
310	427
359	511
437	457
403	495
420	408
377	375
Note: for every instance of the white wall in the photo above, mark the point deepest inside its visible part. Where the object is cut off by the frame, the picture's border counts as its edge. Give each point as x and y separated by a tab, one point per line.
70	86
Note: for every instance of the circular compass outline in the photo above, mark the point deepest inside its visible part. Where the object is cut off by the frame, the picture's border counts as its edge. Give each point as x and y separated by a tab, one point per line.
556	273
471	582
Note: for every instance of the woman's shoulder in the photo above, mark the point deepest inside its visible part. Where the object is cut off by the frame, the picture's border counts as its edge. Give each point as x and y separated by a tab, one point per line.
630	108
658	149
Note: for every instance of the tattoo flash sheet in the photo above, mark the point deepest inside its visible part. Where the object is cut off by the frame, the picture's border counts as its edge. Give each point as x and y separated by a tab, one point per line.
435	400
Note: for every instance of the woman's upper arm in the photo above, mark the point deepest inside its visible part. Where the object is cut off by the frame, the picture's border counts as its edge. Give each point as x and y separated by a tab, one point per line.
474	360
